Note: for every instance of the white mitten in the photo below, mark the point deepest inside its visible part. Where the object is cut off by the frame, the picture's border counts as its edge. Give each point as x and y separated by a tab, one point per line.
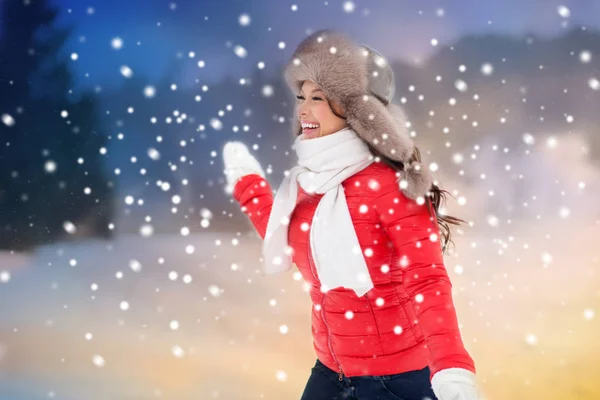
239	162
455	384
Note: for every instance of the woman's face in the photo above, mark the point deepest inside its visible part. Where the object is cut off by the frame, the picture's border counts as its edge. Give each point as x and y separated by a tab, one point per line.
315	112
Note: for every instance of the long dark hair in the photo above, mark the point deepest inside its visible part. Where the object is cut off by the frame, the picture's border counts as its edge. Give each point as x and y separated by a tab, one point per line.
436	197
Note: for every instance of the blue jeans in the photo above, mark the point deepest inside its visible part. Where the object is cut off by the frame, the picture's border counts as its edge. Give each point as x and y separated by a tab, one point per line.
324	384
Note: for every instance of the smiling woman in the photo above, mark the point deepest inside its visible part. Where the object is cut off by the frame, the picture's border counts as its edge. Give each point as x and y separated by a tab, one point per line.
359	218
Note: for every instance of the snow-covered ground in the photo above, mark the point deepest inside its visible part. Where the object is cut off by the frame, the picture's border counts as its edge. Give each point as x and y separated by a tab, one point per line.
201	323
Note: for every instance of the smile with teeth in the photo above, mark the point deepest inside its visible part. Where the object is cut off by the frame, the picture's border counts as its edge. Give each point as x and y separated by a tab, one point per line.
309	126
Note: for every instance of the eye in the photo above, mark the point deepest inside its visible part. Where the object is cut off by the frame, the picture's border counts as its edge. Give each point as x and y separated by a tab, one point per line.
317	98
300	97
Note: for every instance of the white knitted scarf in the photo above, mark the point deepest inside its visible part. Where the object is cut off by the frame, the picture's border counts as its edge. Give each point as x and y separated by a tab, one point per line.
323	164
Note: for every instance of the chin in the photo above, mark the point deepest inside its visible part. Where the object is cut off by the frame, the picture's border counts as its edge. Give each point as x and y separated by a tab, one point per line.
311	135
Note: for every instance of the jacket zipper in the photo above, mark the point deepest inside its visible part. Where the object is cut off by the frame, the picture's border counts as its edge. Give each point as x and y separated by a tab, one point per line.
314	273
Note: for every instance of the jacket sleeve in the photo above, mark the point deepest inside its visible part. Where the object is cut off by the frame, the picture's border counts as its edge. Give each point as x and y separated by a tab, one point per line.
415	236
255	197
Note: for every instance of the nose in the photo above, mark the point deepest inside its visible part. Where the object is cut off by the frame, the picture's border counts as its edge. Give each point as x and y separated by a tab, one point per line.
302	111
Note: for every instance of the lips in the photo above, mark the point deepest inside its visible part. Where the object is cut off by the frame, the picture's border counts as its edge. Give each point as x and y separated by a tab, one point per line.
309	127
308	133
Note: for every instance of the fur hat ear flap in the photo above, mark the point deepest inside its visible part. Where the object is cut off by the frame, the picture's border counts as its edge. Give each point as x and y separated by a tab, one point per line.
385	129
415	180
374	123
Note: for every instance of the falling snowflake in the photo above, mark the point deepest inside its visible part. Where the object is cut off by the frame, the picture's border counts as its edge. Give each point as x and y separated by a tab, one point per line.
585	56
240	51
528	138
267	91
8	120
98	361
216	124
69	227
178	351
547	258
50	166
461	85
153	154
487	69
126	71
117	43
281	376
492	220
563	11
146	230
135	265
4	276
531	339
349	6
149	91
214	290
244	20
374	184
564	212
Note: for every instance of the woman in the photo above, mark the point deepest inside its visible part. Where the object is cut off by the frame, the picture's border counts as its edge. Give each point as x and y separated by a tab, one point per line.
358	216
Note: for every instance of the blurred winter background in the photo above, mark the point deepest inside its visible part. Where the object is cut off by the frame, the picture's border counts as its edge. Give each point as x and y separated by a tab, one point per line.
127	273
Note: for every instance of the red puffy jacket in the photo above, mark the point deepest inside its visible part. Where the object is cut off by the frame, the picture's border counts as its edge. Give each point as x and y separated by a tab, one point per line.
408	320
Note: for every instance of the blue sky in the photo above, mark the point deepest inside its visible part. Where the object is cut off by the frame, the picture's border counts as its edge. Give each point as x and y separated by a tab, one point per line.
154	32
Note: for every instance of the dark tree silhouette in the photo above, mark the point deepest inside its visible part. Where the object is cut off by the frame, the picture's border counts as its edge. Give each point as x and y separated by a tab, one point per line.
51	170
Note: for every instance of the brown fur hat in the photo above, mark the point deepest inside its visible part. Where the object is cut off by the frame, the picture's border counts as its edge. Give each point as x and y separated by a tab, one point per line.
361	80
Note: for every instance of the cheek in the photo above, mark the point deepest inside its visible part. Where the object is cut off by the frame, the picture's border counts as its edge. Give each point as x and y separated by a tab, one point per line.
323	113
